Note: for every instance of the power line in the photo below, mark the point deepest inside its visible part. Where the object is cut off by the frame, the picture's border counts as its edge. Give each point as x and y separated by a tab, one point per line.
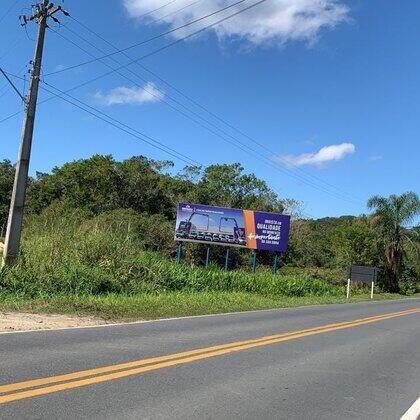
167	150
287	170
158	50
168	33
155	10
124	127
4	89
164	47
194	102
115	123
241	147
111	121
237	143
175	12
147	55
10	116
12	47
9	10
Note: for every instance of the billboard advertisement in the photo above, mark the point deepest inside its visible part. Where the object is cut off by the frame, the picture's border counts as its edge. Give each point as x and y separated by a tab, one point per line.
232	227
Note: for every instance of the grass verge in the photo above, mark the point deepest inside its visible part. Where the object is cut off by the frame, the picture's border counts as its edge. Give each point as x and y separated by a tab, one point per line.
113	307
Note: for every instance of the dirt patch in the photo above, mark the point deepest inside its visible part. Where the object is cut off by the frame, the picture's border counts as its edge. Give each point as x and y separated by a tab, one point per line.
15	321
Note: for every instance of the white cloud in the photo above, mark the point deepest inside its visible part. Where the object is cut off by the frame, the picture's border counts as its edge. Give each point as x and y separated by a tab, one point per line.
375	158
133	96
275	21
324	155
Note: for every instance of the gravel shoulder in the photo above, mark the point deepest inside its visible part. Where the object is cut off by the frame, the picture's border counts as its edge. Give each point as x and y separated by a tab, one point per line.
17	321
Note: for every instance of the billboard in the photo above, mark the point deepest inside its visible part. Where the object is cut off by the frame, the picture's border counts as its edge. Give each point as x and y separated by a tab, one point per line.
232	227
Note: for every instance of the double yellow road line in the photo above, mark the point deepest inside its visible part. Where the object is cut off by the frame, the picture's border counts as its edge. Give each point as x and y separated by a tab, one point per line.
48	385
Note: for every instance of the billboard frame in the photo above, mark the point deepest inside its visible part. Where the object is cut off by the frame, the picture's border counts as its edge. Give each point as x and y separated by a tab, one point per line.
255	230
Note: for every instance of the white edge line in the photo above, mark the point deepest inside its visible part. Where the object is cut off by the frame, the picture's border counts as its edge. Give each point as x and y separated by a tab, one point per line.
148	321
413	413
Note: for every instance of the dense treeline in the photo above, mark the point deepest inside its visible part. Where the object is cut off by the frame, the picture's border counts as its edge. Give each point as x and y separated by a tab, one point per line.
100	184
140	195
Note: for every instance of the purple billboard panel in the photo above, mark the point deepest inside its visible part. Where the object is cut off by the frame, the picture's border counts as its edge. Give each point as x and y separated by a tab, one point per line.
271	231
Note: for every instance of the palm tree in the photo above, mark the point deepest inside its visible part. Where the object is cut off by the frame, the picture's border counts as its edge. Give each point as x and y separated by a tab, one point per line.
392	215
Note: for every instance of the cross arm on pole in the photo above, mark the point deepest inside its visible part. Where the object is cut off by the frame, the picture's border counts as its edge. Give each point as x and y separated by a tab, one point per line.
43	10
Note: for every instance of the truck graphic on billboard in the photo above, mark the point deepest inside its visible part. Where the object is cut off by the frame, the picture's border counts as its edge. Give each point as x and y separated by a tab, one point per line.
210	225
234	227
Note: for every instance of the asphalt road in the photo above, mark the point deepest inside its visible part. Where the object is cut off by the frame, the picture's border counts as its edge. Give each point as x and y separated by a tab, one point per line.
368	369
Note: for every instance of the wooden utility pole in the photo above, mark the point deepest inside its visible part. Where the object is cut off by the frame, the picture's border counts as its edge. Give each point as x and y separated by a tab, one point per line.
40	14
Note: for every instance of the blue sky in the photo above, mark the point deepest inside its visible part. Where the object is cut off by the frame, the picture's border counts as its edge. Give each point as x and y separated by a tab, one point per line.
330	89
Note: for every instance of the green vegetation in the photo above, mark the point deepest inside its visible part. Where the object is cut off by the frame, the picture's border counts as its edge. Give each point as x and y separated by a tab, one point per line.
98	239
391	214
116	307
108	254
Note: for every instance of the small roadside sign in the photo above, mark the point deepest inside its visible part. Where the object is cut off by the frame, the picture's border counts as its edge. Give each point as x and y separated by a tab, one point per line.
361	274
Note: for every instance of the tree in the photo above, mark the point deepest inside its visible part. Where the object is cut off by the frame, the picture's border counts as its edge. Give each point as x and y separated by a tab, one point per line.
355	242
93	184
101	184
391	216
145	187
228	185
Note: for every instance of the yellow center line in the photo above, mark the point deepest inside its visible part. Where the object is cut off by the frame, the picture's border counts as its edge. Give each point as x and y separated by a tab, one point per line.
142	362
107	373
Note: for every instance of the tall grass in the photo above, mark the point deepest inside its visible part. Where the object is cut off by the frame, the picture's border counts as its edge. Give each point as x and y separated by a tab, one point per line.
74	254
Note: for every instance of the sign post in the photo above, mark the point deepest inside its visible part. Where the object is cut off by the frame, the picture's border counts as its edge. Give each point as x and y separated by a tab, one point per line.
227	259
254	261
207	256
348	287
275	264
179	253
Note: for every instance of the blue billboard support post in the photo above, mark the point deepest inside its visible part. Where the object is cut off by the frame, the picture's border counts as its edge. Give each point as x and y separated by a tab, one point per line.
275	264
179	253
207	256
227	259
254	261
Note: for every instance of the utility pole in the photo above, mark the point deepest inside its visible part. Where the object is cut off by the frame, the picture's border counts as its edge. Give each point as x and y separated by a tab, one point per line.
41	12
